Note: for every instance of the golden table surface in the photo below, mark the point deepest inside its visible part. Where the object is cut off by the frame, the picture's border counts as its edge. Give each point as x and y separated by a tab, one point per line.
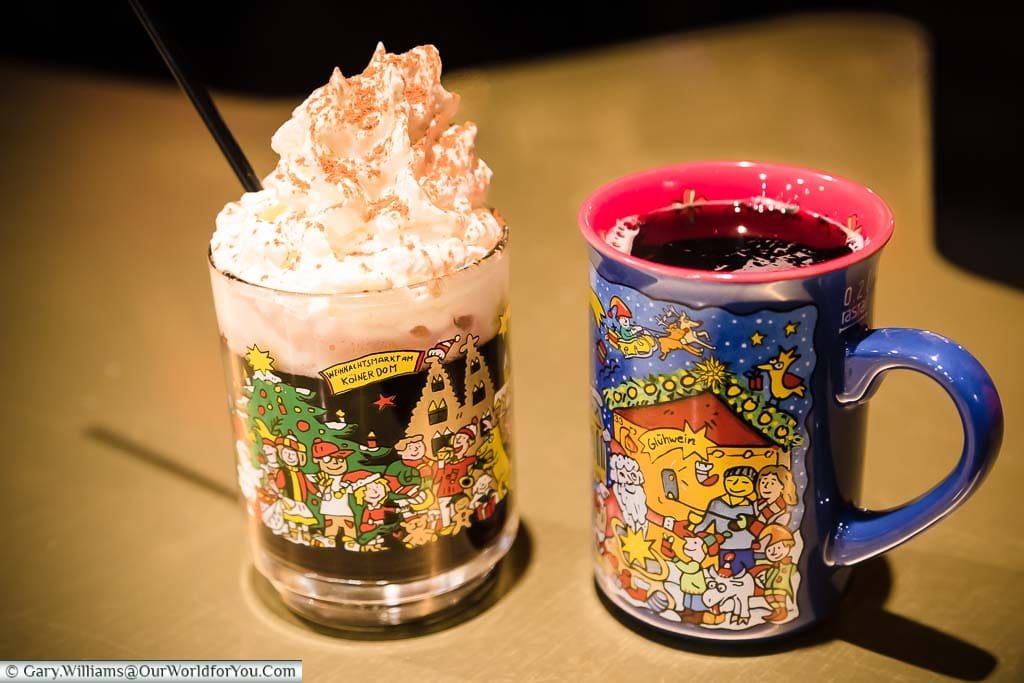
124	536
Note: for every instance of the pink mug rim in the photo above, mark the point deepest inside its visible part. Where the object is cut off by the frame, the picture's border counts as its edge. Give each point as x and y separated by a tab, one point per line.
877	232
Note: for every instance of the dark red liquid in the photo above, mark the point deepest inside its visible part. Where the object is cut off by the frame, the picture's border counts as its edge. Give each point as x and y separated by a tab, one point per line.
738	236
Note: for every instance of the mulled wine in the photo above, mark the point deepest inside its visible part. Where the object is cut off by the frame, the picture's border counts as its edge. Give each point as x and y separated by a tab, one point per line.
728	236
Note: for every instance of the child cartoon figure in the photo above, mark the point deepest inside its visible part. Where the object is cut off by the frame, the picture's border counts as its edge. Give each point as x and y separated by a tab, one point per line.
335	487
406	476
372	526
777	542
692	582
776	495
737	548
297	489
412	451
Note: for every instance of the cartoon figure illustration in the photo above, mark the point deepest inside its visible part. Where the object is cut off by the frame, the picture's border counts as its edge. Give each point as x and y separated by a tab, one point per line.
777	542
336	484
681	334
484	496
418	531
297	489
622	234
628	338
461	511
781	382
372	496
493	456
406	476
729	507
268	499
452	471
628	487
318	486
441	349
691	582
695	461
620	313
776	495
268	457
605	508
463	440
730	593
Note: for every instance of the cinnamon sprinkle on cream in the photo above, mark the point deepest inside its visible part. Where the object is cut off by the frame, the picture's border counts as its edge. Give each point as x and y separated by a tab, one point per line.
375	187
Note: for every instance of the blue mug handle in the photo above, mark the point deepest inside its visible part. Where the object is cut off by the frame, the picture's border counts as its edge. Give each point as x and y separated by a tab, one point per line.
860	534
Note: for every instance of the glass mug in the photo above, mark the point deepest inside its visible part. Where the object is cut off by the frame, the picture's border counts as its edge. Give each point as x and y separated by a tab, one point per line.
729	413
372	440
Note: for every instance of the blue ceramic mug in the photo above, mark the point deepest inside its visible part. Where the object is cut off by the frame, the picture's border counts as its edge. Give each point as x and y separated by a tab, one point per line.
729	412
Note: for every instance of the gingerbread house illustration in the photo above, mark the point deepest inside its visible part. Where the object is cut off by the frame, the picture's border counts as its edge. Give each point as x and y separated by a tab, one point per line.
684	447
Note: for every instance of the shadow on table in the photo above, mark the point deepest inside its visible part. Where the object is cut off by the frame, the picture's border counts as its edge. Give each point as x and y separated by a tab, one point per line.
162	461
263	598
861	620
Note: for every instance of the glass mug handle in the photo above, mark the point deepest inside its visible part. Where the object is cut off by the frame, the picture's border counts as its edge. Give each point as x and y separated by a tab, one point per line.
860	534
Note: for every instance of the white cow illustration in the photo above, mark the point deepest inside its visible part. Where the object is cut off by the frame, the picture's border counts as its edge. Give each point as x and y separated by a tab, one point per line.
731	593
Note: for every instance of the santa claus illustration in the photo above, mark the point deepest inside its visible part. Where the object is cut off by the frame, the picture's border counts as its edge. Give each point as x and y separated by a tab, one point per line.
440	350
628	487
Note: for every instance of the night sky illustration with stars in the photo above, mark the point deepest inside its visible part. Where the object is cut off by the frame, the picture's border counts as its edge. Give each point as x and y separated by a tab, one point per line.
741	342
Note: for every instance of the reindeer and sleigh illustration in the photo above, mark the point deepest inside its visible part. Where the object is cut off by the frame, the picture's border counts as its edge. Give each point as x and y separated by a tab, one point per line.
678	332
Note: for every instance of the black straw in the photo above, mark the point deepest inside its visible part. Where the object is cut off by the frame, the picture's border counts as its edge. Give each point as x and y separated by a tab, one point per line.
204	105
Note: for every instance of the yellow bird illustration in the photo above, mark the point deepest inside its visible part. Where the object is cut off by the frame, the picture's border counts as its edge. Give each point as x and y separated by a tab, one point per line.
781	383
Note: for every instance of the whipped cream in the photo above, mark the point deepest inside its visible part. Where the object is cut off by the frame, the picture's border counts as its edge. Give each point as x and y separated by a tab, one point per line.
375	188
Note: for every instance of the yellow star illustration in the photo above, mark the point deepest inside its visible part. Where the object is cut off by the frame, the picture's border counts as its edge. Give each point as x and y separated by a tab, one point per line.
503	321
260	361
636	547
697	441
757	338
791	327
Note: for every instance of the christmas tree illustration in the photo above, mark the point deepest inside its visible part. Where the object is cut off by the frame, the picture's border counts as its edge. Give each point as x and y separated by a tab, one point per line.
278	409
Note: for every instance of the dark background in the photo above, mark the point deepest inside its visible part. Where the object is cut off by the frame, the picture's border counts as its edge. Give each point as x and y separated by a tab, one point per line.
288	47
